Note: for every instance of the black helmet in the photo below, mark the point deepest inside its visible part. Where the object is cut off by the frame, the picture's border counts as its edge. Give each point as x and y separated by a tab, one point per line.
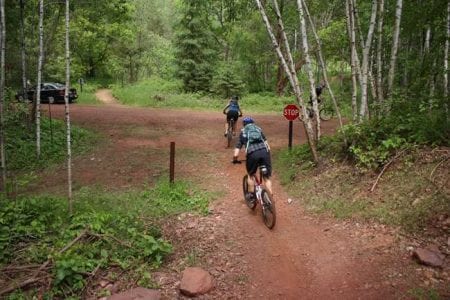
235	98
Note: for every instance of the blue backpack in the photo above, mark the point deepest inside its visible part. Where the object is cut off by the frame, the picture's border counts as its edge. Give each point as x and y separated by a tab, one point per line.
234	106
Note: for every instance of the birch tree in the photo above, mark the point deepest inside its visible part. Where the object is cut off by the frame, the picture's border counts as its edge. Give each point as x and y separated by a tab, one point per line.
322	63
293	80
380	95
353	56
395	39
2	92
39	78
22	50
446	53
312	86
365	62
67	112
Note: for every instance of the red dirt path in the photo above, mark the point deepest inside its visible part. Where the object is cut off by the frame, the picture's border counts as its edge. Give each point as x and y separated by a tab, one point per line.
304	257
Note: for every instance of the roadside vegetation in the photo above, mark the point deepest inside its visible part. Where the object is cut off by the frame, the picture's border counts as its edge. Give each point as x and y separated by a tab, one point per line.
392	170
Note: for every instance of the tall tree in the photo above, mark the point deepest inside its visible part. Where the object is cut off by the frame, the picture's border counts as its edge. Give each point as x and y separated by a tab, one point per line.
292	75
196	47
308	67
323	64
67	112
39	78
447	41
22	49
365	62
379	64
2	92
353	56
395	42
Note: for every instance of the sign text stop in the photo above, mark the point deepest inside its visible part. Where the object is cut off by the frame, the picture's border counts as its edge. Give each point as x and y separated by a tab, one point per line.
291	112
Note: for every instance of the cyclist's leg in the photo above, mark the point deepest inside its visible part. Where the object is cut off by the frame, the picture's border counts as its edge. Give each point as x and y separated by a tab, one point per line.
229	116
251	165
266	160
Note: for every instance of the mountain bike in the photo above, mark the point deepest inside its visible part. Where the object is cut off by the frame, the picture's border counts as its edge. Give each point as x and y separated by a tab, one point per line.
230	132
261	196
325	112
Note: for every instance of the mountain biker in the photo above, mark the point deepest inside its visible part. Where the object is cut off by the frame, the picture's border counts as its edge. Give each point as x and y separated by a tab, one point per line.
319	90
257	153
233	111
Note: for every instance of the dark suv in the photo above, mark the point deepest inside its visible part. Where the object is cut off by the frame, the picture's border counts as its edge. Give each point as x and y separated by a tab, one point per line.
52	92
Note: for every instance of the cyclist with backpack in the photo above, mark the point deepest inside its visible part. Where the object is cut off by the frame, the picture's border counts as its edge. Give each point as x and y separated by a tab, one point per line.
233	111
257	154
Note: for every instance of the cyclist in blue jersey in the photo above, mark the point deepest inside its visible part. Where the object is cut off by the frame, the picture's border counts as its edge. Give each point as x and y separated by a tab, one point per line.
233	111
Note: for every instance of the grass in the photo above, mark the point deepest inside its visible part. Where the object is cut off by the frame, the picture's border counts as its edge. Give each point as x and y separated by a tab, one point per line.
404	196
156	92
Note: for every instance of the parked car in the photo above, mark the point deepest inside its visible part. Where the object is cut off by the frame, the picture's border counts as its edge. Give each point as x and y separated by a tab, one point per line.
52	92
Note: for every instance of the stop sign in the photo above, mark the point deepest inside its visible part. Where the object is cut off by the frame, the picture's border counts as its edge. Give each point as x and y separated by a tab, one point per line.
291	112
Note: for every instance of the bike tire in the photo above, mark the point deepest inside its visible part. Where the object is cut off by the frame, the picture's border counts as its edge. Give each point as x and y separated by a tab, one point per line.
325	114
268	210
230	133
251	205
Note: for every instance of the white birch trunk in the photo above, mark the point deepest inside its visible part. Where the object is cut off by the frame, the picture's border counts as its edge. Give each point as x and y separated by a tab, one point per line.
322	63
365	63
2	93
309	72
39	78
395	40
23	53
447	41
370	79
66	101
292	76
380	92
353	56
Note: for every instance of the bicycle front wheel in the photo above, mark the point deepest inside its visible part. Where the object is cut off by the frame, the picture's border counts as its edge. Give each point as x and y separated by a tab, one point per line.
268	210
251	204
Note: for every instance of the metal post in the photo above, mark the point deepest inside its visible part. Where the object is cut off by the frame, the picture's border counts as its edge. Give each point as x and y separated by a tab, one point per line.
290	134
51	125
172	161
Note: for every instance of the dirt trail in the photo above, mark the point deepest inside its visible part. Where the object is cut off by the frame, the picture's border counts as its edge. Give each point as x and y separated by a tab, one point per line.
304	257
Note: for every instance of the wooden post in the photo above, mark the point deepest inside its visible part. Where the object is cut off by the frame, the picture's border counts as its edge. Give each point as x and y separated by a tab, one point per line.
290	135
172	161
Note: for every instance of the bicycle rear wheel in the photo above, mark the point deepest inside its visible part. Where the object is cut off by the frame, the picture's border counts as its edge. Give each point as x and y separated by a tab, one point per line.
230	133
268	210
250	205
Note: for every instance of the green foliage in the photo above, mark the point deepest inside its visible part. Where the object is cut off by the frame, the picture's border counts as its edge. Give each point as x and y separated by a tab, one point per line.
196	51
114	228
20	140
227	81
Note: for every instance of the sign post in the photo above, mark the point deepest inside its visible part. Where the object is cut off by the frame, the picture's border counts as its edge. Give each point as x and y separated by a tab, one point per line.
291	112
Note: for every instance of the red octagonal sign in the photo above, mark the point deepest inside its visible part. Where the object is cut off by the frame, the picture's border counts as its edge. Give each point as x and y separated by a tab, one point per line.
291	112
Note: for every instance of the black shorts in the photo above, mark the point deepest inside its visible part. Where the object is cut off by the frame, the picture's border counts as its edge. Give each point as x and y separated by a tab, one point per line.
258	158
232	114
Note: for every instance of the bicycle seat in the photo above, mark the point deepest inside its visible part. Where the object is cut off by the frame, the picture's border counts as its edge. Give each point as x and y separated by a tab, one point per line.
263	169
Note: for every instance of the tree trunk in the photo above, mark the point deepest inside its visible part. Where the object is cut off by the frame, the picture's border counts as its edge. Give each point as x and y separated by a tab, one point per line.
365	63
67	112
39	78
292	75
446	53
380	92
308	68
322	63
353	57
22	49
370	77
2	93
395	39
